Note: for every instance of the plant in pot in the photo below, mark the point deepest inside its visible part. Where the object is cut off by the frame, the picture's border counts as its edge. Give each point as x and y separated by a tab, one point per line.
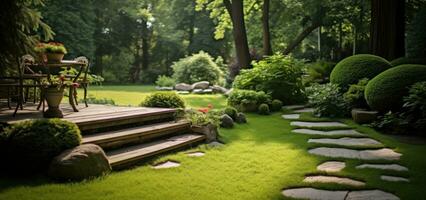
204	121
52	52
53	93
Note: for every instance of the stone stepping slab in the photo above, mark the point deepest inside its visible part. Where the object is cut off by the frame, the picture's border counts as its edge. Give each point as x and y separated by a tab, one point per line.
304	110
394	167
333	179
318	124
294	107
318	194
346	141
196	154
167	164
291	116
379	154
331	166
394	178
348	132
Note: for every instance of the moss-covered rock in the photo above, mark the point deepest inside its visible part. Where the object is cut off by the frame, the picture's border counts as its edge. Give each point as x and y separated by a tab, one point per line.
386	90
351	69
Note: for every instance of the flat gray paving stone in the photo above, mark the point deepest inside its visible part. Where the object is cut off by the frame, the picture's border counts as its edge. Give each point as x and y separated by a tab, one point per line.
379	154
333	179
314	194
168	164
294	107
196	154
331	166
394	178
347	141
394	167
348	132
291	116
318	124
371	195
304	110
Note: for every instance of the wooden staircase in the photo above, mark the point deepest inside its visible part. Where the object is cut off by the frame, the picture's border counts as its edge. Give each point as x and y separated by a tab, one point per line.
131	136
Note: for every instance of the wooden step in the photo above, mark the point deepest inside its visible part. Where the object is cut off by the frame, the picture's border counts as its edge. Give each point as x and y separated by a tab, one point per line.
121	117
138	134
126	156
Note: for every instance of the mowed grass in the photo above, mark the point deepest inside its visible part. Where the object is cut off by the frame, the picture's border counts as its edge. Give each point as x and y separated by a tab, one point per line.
132	95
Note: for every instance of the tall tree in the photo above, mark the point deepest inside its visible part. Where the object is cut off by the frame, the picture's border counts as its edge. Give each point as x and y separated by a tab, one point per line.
267	49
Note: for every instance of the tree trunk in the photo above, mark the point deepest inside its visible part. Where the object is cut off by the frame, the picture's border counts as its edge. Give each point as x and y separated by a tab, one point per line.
319	42
340	49
267	49
308	30
236	11
387	28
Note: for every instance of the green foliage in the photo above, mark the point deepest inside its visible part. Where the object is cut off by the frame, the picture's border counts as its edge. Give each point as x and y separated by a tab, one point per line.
405	60
385	91
36	142
198	67
165	81
319	71
350	70
327	100
276	105
414	108
94	100
200	119
277	75
243	99
232	112
263	109
355	94
163	100
416	37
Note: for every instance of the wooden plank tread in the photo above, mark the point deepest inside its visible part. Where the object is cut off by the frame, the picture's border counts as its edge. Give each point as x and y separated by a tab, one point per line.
134	153
134	132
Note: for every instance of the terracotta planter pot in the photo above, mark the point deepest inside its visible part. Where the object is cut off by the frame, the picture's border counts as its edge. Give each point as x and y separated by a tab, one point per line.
209	130
54	57
53	96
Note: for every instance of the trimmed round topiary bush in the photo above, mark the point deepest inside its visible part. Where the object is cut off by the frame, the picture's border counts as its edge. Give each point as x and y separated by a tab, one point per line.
405	60
385	91
354	68
276	105
163	100
33	144
232	112
263	109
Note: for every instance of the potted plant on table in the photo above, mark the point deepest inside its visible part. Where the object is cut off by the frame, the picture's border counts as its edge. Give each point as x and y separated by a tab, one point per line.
52	52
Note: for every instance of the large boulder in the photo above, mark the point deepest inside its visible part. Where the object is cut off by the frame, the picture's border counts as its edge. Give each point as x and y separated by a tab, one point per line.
201	85
219	89
79	163
209	130
226	121
183	87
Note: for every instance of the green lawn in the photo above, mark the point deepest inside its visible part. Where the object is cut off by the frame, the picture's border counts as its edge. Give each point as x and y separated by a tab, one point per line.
259	160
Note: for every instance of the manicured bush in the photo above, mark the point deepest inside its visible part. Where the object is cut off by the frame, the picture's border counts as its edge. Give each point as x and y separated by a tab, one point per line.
354	68
232	112
277	75
414	108
416	37
198	67
276	105
405	60
31	145
327	100
355	94
385	91
163	100
247	100
263	109
165	81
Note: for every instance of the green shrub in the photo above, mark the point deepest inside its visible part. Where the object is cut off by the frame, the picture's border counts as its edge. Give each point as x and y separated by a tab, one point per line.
165	81
263	109
414	108
94	100
33	144
355	94
319	72
163	100
354	68
385	91
277	75
198	67
247	100
276	105
405	60
232	112
416	37
200	119
327	100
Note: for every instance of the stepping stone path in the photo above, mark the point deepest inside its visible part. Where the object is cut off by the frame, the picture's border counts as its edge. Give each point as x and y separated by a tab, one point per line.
196	154
350	138
291	116
294	107
331	166
304	110
167	164
394	167
318	124
346	141
347	132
